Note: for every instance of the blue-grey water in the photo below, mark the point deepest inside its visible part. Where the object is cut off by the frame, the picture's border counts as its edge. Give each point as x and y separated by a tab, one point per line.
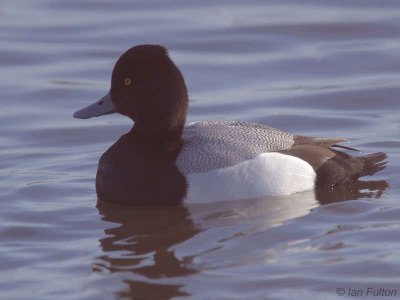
314	67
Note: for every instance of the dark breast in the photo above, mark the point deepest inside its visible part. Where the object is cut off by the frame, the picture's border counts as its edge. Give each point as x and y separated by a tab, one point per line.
130	175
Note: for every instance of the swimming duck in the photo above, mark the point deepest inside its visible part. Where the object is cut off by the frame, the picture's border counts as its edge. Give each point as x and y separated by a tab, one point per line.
163	161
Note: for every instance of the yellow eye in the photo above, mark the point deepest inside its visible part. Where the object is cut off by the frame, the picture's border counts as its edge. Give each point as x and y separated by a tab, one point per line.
127	81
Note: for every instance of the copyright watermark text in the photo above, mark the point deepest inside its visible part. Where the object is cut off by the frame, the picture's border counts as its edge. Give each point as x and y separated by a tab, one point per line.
368	292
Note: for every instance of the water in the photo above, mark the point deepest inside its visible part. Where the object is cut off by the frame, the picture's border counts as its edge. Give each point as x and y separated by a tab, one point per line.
317	68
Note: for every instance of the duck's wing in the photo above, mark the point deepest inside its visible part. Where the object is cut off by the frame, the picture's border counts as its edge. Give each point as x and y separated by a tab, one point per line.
209	145
332	166
322	142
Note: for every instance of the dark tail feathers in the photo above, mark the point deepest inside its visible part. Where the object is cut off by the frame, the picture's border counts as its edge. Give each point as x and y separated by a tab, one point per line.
372	163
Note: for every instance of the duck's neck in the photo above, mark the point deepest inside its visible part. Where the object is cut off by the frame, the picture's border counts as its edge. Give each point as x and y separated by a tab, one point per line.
165	139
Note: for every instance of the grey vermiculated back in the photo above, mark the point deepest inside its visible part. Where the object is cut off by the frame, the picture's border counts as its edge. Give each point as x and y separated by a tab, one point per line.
211	145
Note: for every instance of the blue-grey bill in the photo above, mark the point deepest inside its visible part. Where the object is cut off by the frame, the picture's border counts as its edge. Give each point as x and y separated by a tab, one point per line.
102	107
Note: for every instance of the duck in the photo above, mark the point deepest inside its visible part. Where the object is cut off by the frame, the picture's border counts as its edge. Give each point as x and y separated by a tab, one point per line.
164	161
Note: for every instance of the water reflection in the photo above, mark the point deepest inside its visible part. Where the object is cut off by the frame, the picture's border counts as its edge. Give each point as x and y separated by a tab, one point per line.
141	242
351	191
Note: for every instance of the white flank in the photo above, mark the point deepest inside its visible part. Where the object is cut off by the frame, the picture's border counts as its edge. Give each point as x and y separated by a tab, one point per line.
268	174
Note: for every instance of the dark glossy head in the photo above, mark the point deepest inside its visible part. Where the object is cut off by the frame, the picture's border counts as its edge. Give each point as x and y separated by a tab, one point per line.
147	87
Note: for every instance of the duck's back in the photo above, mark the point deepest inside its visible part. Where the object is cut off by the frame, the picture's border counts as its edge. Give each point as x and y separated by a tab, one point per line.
210	145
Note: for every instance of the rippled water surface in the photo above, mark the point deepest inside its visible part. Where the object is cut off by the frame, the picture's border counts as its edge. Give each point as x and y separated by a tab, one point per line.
319	68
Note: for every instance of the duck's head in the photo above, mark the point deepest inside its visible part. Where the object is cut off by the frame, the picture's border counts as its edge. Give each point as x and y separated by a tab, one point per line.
147	87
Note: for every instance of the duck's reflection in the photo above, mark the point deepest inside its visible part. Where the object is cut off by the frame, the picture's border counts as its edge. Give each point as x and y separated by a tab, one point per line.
351	191
140	242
